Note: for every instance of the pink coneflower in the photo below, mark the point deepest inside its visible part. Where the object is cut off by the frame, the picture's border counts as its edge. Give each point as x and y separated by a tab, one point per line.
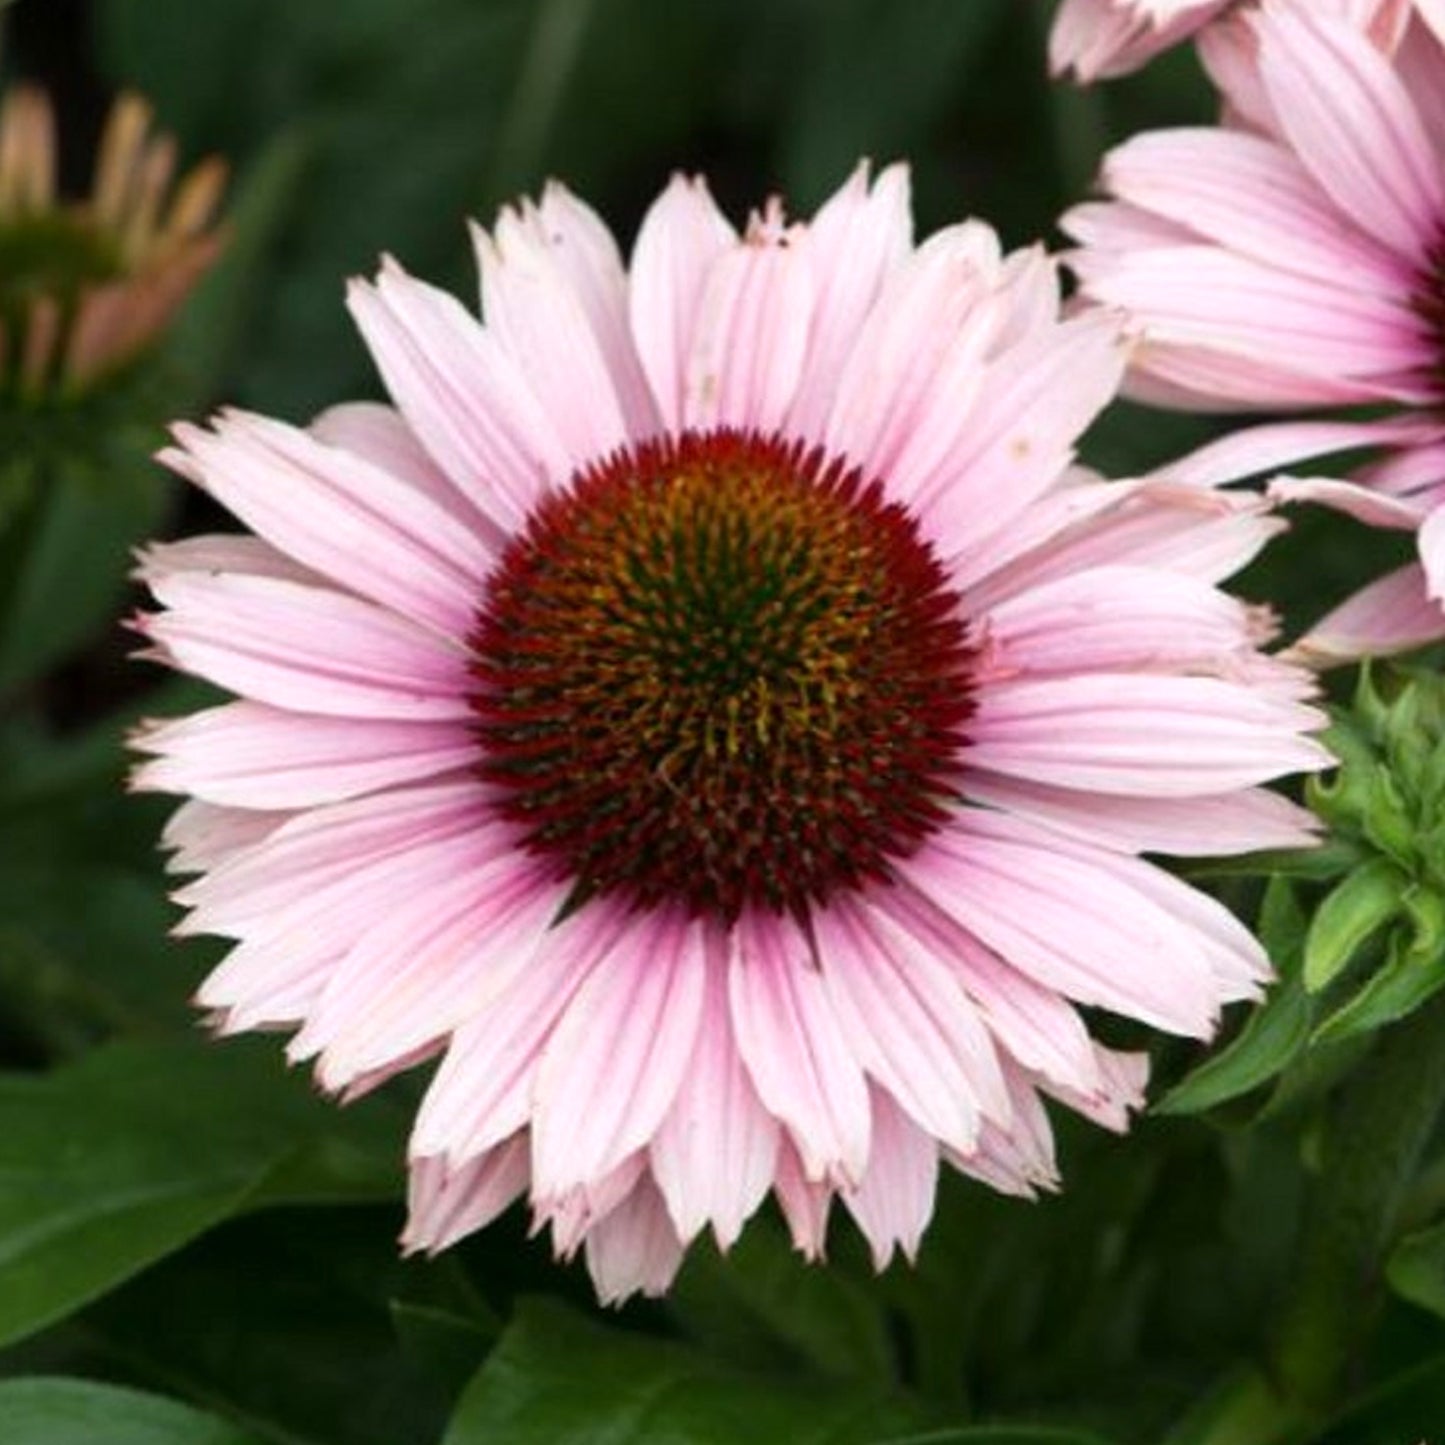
1301	266
712	715
1099	39
87	286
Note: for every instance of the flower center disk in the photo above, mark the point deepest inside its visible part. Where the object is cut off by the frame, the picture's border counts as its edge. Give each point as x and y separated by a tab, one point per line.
721	670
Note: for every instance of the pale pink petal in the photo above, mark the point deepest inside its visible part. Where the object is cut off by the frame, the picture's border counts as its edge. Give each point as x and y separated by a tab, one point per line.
804	1202
1034	1024
1202	534
1068	923
571	1214
586	254
617	1056
1310	335
681	237
306	648
380	435
320	870
1140	735
445	1204
217	552
1420	64
201	836
1393	614
1236	958
714	1155
918	319
1432	553
430	966
1373	508
750	337
794	1047
348	520
1351	121
1254	197
1268	448
462	395
1417	467
1236	822
484	1088
1019	1160
1099	39
1016	447
542	325
858	238
634	1249
1107	618
254	756
909	1022
894	1201
1120	1094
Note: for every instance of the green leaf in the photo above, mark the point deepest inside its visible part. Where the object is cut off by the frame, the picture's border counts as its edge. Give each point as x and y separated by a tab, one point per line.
1000	1435
1401	1411
1416	1269
1357	908
557	1379
284	1319
114	1162
1396	989
764	1299
53	1411
72	549
1274	1033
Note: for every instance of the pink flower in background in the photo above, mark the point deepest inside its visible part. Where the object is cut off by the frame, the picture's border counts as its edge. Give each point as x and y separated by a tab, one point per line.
712	715
1100	39
1300	266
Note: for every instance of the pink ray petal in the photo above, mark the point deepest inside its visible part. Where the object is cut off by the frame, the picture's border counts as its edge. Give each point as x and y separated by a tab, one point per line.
794	1047
617	1056
894	1201
714	1155
682	236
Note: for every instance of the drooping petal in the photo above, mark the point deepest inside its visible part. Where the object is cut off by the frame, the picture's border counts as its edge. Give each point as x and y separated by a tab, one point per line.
795	1050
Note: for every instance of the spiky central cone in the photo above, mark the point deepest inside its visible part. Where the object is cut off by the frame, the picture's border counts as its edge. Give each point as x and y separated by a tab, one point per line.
721	670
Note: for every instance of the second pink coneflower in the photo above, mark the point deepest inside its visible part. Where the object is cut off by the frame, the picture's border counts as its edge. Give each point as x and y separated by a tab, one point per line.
1300	266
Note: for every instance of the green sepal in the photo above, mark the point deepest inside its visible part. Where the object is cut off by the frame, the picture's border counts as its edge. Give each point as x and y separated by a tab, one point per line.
1397	989
1348	917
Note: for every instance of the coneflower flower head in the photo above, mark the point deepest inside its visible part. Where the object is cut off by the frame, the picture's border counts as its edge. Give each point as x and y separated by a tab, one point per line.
710	713
87	286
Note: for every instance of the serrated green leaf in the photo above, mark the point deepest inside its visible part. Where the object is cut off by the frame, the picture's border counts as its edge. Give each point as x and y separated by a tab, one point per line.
115	1161
1350	914
55	1411
557	1379
1274	1034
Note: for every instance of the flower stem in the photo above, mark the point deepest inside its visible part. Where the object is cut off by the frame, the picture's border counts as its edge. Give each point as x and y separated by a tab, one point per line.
1380	1126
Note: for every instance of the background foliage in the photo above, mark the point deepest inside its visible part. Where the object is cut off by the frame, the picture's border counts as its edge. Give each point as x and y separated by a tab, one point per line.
194	1250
